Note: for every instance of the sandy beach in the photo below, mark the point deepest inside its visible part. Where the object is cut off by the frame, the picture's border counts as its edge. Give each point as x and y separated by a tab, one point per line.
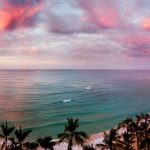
92	140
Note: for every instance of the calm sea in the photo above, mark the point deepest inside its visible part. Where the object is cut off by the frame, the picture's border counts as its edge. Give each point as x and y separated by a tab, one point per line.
42	100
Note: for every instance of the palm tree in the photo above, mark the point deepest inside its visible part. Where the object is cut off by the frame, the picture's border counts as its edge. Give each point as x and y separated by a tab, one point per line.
145	143
125	123
110	140
6	131
128	140
145	132
21	135
140	117
71	134
136	130
46	142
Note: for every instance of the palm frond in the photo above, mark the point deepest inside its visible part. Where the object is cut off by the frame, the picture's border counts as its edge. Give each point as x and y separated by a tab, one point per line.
72	124
83	134
6	130
21	135
63	136
78	139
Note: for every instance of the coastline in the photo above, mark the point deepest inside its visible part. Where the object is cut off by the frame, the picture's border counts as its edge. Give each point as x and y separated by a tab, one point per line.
92	140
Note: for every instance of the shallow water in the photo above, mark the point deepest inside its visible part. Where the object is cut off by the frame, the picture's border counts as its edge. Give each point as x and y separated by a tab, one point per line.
42	100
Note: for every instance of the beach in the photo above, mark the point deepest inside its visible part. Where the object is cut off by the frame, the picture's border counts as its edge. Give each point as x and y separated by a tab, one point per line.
93	140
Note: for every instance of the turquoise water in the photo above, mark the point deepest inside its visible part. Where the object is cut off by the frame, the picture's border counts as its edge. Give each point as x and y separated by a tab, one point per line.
42	100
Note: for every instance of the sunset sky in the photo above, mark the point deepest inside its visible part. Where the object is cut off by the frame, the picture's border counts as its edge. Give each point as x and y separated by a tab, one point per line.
74	34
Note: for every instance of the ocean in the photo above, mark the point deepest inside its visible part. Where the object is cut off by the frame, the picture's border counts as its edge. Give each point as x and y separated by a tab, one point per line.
41	100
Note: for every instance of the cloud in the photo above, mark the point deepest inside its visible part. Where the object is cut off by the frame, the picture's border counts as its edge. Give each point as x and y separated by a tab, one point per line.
93	16
74	34
68	17
16	14
36	48
5	19
137	46
146	24
62	24
88	17
103	13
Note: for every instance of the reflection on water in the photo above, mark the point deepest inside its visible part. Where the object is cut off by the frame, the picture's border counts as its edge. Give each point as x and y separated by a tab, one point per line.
34	99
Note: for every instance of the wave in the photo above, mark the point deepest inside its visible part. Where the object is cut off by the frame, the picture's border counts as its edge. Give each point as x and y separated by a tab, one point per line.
66	100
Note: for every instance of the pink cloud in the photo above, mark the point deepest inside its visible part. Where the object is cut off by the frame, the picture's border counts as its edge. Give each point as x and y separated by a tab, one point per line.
12	16
5	19
96	14
102	13
136	39
146	23
138	46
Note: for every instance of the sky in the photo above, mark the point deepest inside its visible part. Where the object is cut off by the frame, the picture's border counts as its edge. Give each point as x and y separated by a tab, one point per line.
74	34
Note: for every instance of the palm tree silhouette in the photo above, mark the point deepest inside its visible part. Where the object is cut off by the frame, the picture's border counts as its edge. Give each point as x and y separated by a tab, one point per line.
110	140
125	123
140	117
136	130
128	140
71	134
21	136
46	142
145	132
6	131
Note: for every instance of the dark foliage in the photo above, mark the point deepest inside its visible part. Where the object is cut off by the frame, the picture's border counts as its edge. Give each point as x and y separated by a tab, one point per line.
21	136
71	134
136	136
88	147
46	142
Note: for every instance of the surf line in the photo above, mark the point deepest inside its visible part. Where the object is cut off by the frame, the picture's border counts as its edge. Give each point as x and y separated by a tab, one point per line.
67	100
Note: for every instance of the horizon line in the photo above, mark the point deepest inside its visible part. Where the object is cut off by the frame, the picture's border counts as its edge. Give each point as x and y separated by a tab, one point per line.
80	69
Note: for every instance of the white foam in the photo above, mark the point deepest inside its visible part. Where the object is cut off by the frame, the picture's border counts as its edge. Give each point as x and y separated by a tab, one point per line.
67	100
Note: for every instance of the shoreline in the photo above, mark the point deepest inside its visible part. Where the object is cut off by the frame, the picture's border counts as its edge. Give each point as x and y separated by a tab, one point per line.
92	140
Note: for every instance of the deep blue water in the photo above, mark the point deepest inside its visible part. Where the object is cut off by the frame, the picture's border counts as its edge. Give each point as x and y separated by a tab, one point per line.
100	99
